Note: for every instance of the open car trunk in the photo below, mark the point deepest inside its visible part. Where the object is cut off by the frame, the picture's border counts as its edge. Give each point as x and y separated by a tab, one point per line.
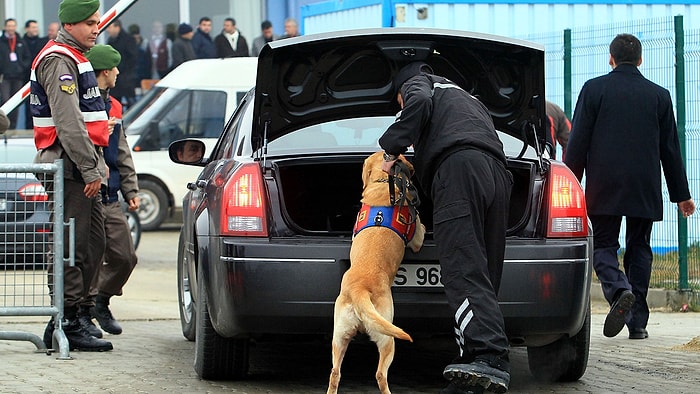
321	195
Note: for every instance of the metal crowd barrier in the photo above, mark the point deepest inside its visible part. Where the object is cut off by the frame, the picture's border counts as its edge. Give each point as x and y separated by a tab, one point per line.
30	222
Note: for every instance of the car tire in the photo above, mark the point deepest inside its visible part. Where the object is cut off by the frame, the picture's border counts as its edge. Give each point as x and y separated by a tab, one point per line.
154	205
132	219
564	360
216	357
188	315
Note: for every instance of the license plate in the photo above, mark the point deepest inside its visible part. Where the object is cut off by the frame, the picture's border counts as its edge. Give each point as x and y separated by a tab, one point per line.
3	204
418	275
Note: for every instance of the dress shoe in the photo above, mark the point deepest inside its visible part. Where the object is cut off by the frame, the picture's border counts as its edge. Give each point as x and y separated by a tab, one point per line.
616	318
639	333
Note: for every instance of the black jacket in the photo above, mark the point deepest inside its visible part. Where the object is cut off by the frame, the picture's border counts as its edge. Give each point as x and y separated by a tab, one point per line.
438	118
125	44
224	49
14	69
623	129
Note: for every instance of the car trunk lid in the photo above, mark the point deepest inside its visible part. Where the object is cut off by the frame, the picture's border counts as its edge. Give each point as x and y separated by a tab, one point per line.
318	78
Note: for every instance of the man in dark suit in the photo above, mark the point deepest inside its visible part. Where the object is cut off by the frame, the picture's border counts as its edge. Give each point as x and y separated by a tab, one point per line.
623	128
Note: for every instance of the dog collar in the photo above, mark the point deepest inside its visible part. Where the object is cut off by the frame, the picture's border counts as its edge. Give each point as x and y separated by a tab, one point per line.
398	218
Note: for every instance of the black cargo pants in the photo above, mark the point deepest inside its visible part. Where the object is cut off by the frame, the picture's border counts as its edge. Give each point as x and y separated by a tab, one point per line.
471	192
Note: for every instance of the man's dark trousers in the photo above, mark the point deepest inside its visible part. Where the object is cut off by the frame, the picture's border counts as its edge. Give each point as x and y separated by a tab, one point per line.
637	261
89	241
471	192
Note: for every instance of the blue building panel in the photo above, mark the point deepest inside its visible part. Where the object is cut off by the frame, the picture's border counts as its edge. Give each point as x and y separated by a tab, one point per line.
513	18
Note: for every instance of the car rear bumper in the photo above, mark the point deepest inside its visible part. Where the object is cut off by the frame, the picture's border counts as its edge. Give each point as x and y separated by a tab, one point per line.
289	287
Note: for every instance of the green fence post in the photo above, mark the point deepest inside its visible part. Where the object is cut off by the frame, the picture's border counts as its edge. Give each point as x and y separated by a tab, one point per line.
680	109
567	73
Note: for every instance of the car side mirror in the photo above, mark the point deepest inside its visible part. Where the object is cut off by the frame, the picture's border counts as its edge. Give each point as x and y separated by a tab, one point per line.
187	151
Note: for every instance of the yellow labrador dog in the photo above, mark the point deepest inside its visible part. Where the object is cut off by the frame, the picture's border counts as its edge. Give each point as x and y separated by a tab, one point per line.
365	304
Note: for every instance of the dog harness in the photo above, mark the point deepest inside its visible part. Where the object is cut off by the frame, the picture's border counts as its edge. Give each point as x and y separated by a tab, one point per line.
398	218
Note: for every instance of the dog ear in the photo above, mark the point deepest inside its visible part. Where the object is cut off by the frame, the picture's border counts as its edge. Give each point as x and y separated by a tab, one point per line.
366	171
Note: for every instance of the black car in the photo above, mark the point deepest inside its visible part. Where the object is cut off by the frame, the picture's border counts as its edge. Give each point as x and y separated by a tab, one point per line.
267	224
25	221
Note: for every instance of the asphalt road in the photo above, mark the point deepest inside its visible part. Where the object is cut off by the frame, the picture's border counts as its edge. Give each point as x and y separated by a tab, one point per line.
151	356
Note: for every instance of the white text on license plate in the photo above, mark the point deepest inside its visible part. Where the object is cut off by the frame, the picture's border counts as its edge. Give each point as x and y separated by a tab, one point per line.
417	275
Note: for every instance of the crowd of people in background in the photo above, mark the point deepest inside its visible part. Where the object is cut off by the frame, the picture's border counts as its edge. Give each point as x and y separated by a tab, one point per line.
143	57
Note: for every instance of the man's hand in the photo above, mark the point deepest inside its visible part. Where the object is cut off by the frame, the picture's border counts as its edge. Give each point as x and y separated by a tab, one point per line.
110	124
134	203
91	189
386	166
687	207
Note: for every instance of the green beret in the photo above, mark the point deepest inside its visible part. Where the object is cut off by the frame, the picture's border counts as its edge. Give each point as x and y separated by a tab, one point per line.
103	57
74	11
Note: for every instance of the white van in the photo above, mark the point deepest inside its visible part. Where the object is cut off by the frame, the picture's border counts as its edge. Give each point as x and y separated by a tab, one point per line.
193	100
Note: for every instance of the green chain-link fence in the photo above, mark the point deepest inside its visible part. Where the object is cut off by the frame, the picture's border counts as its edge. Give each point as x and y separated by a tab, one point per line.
577	55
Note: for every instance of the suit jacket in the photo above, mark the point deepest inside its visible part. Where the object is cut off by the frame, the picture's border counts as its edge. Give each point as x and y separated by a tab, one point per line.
623	132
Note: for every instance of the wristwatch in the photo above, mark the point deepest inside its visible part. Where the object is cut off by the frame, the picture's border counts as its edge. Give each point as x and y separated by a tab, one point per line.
388	157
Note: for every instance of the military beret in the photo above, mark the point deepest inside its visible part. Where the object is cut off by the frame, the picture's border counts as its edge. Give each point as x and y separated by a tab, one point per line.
103	57
74	11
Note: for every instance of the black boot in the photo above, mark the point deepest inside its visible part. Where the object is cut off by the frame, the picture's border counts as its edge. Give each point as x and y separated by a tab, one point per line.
80	339
104	316
86	322
48	334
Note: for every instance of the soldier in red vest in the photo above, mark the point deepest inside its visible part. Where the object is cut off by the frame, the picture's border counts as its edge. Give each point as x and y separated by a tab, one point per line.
70	123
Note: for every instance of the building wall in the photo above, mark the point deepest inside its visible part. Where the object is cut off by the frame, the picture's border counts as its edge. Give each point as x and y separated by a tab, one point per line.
509	18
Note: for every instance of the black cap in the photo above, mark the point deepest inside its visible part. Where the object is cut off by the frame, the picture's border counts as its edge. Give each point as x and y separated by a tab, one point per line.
408	71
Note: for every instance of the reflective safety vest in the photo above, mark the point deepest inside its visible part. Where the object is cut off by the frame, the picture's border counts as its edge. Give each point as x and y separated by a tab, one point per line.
92	105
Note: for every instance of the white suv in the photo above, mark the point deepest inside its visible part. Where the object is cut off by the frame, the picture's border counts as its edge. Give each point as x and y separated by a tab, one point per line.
193	100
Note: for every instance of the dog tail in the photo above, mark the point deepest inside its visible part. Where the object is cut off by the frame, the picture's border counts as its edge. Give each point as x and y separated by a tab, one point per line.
376	322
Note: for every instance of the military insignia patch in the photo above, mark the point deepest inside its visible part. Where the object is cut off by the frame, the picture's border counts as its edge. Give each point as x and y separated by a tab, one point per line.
65	77
68	88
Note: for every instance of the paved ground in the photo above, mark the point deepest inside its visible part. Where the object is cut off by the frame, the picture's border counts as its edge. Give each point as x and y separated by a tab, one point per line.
153	357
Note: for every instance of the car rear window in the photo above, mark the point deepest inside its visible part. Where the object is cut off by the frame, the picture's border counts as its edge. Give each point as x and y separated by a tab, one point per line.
345	134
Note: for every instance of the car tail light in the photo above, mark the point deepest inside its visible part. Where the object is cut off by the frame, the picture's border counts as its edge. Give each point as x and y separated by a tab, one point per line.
243	210
567	204
33	192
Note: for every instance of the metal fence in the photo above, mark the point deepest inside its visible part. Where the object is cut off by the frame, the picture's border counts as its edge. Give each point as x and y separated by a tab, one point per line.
574	56
31	228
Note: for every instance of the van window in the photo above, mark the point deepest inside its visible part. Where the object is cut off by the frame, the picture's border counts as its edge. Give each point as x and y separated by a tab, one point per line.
188	114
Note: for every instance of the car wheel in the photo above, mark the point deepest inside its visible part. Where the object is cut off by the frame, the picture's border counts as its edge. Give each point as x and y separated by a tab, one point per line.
154	205
132	219
564	360
216	357
184	290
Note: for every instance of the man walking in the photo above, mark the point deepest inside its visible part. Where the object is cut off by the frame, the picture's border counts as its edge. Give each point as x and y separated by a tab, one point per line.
70	123
624	109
